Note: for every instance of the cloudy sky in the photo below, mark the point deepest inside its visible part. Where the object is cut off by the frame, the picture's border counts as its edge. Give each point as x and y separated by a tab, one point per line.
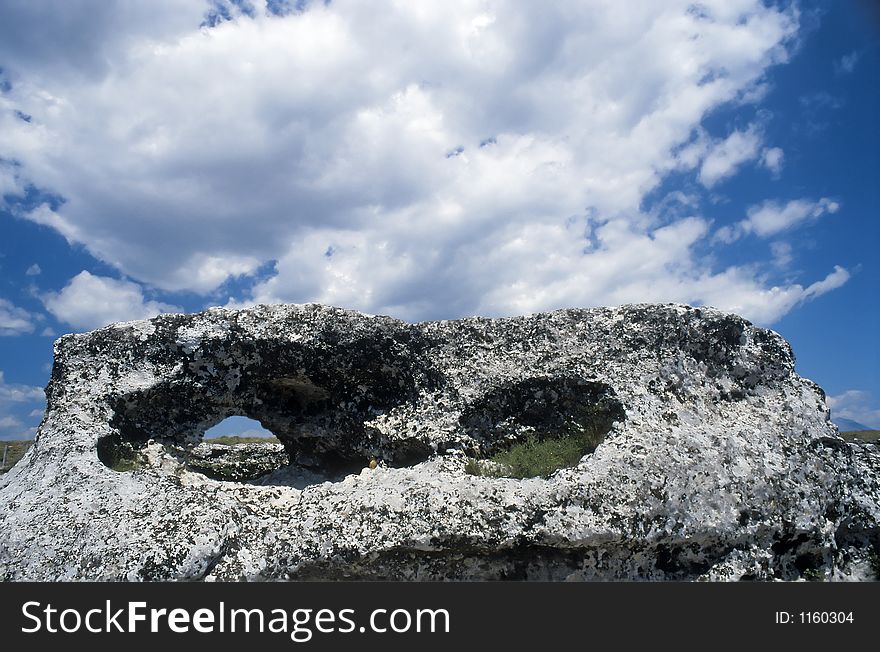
440	159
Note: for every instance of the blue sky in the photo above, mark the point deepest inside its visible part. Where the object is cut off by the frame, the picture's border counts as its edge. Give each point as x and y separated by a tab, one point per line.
435	162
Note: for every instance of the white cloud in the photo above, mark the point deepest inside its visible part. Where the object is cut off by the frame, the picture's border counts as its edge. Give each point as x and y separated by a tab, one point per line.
770	218
81	37
820	100
14	320
772	159
833	281
857	405
10	182
782	254
89	301
847	63
739	291
188	156
11	393
33	270
725	157
15	400
11	427
8	422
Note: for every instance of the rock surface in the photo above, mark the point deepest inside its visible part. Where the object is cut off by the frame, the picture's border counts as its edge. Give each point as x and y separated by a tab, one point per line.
238	462
719	462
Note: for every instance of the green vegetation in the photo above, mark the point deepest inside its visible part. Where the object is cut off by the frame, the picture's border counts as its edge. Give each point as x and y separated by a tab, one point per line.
871	436
124	464
814	575
472	467
538	457
14	451
118	454
232	440
122	457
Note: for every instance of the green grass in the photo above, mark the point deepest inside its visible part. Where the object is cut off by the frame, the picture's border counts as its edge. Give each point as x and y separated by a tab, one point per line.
232	440
125	464
871	436
472	467
17	448
813	575
535	457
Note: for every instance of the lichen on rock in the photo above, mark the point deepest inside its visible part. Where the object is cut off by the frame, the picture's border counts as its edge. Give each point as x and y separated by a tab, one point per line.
718	461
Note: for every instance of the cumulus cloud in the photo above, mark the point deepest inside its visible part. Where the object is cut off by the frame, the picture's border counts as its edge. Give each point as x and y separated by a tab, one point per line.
726	156
90	301
16	401
12	393
10	181
11	427
8	422
418	159
743	293
772	158
33	270
80	37
770	218
14	320
858	405
782	254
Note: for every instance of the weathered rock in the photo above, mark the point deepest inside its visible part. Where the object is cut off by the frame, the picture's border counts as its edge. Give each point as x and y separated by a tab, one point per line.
238	462
719	463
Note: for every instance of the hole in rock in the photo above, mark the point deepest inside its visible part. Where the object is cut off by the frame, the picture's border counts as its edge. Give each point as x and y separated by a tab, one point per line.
316	403
237	449
239	430
533	427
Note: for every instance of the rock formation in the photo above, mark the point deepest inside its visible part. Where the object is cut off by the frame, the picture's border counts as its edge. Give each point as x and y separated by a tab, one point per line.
718	461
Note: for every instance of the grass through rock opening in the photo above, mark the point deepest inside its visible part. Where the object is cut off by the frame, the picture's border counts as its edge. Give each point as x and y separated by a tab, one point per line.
536	457
117	454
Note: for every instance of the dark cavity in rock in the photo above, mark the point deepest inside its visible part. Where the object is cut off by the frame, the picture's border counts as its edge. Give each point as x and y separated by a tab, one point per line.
543	407
314	402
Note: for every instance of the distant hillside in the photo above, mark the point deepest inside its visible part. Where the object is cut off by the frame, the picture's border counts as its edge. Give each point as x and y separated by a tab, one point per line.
872	436
232	440
14	451
848	425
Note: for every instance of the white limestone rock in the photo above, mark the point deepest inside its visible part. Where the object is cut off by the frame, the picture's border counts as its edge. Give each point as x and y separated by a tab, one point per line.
720	463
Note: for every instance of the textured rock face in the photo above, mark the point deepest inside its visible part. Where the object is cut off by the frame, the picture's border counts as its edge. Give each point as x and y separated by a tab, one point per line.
719	461
224	462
